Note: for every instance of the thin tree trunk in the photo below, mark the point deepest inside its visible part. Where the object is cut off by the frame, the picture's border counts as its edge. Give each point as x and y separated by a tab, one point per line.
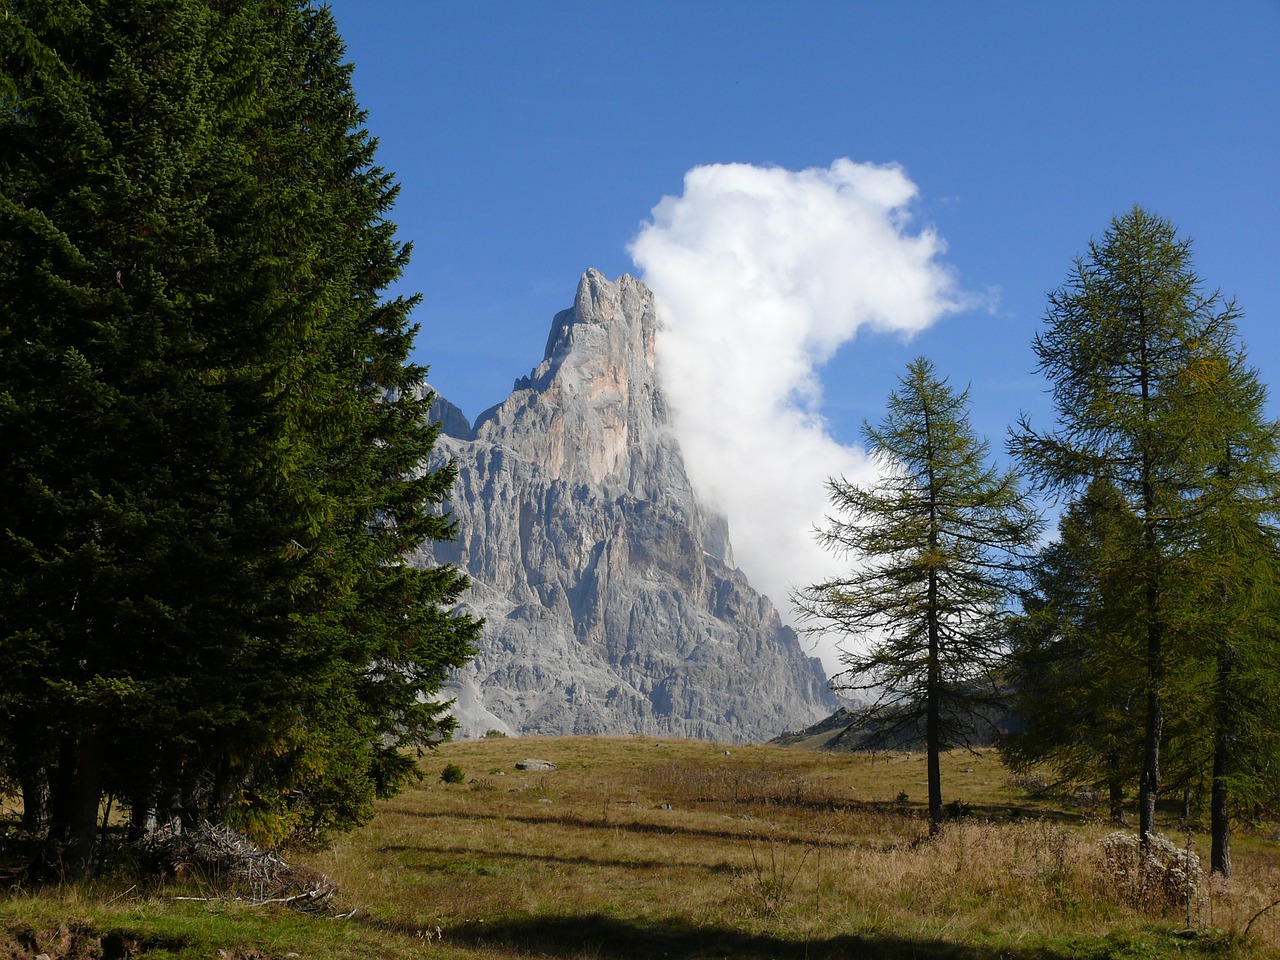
1149	785
1219	815
1115	789
933	738
1149	782
933	720
933	694
33	780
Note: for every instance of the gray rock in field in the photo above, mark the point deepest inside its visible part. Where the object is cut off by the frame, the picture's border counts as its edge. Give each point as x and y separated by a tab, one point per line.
532	764
611	600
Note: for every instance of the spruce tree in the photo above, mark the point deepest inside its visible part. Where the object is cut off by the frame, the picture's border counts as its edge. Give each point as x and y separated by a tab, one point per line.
215	436
935	548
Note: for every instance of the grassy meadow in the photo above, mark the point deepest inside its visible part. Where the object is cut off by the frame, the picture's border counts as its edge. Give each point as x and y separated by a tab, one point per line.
636	847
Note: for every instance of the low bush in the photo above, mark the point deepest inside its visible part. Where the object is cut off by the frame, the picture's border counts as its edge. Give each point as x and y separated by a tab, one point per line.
1160	879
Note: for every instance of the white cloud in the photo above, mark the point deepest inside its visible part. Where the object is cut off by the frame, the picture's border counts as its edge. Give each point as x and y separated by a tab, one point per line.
761	274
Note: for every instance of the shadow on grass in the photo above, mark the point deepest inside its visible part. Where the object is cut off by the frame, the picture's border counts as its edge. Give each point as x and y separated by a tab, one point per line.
747	833
600	936
545	858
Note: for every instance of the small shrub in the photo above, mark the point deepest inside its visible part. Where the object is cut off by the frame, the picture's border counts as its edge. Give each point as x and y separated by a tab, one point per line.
495	734
452	773
766	888
1030	782
1087	798
1160	879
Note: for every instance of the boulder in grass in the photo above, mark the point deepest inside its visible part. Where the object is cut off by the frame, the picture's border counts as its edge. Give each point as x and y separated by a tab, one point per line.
532	764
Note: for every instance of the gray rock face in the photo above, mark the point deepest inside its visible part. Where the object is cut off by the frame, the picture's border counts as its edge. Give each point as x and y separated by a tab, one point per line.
610	597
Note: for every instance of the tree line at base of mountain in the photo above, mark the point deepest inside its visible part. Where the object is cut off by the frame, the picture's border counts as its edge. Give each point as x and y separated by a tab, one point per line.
867	730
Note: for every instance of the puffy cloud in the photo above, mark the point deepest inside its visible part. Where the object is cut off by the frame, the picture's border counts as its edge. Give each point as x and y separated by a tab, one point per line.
761	275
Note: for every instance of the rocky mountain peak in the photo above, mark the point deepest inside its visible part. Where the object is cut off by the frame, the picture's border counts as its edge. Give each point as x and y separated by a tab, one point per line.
610	597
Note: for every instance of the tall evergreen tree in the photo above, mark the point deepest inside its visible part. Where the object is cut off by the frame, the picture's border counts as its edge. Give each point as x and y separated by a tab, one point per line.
1076	659
214	435
1231	688
1228	595
935	548
1127	349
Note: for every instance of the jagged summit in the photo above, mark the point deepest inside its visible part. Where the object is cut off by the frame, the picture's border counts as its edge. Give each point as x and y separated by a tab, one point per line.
600	303
588	412
611	601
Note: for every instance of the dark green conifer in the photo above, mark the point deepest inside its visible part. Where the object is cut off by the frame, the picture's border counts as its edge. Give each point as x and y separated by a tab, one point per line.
213	433
1227	598
1076	657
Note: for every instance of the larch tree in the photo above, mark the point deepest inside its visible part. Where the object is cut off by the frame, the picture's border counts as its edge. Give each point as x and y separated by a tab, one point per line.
934	550
1230	691
1134	350
1227	599
1075	667
214	437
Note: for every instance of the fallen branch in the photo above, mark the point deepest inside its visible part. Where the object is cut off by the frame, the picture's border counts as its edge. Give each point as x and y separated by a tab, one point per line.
1249	926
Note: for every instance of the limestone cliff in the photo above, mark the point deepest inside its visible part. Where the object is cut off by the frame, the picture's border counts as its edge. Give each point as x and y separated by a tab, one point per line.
611	601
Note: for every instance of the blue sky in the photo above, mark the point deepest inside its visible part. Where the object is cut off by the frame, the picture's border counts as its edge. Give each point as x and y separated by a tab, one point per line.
532	140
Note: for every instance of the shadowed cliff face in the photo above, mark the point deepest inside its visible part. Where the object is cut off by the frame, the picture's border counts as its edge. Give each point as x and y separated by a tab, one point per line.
610	598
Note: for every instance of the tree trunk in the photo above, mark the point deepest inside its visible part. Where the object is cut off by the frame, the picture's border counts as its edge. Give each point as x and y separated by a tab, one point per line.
33	781
1115	792
1149	783
75	799
1219	819
1219	815
933	690
933	738
935	776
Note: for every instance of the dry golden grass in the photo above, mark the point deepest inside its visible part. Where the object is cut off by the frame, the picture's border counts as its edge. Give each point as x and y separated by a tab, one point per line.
640	847
643	848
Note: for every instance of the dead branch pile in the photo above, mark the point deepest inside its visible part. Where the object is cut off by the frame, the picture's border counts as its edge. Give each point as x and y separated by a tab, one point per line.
231	864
